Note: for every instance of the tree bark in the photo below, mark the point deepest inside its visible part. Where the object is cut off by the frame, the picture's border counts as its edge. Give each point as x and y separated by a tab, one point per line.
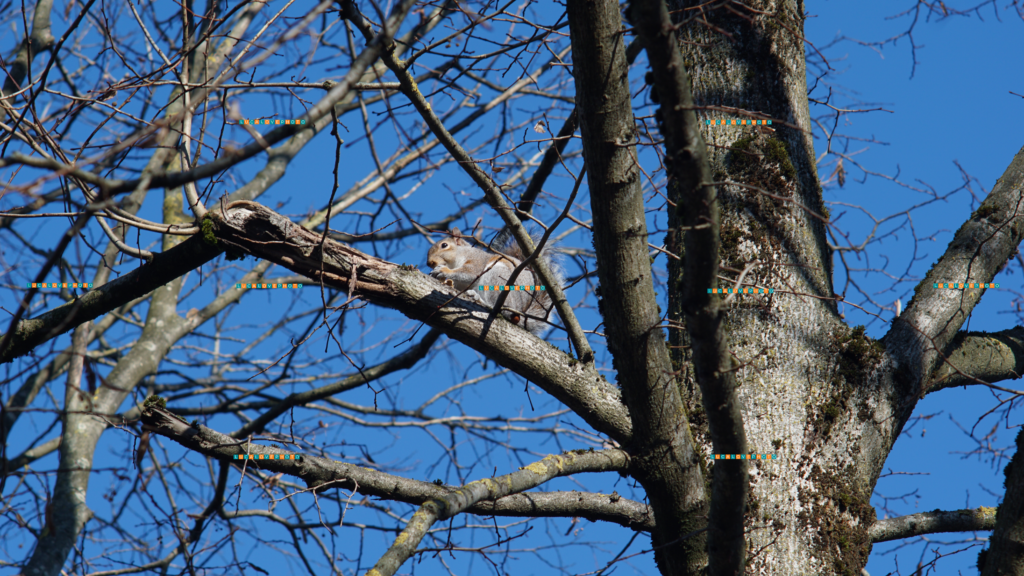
749	63
1005	556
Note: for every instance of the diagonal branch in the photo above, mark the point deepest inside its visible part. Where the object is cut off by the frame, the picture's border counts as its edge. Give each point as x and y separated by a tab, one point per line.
165	267
459	500
687	164
932	318
257	230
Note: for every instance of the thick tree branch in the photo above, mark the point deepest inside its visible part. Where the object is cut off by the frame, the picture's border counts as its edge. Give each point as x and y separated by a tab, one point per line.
667	463
588	505
320	472
934	522
687	164
591	506
1006	554
932	318
975	357
258	230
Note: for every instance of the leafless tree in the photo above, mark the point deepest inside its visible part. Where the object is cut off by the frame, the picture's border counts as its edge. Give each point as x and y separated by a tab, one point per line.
155	385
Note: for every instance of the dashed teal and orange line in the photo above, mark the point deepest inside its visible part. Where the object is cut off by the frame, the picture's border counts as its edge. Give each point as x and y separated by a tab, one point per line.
486	287
59	285
745	456
267	286
961	285
268	457
740	122
266	122
741	291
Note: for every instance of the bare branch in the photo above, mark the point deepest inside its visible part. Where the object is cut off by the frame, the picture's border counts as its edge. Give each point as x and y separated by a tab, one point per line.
935	522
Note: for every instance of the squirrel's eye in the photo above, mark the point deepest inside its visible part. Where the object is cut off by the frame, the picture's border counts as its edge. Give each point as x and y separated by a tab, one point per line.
444	244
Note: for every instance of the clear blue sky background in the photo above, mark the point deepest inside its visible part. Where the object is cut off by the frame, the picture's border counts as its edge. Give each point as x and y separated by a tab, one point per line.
957	107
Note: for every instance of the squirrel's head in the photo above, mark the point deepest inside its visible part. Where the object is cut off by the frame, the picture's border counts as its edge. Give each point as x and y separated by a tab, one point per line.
435	256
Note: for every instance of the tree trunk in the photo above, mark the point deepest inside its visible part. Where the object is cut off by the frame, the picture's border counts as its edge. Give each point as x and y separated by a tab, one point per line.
808	510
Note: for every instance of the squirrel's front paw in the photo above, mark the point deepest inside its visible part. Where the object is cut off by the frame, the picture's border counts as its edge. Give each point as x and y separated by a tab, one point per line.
442	273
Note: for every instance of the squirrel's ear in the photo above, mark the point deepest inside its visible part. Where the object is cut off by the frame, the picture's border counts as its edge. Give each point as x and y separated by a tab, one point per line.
456	233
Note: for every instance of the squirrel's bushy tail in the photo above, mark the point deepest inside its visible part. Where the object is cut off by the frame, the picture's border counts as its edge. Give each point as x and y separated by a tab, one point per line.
537	305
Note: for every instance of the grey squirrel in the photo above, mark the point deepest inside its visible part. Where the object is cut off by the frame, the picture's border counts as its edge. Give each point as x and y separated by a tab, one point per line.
465	267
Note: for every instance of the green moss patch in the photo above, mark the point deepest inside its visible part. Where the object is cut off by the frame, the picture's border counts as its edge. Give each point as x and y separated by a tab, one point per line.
986	211
762	162
776	151
206	228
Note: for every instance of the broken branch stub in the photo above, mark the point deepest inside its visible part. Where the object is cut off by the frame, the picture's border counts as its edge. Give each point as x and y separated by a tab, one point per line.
261	232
